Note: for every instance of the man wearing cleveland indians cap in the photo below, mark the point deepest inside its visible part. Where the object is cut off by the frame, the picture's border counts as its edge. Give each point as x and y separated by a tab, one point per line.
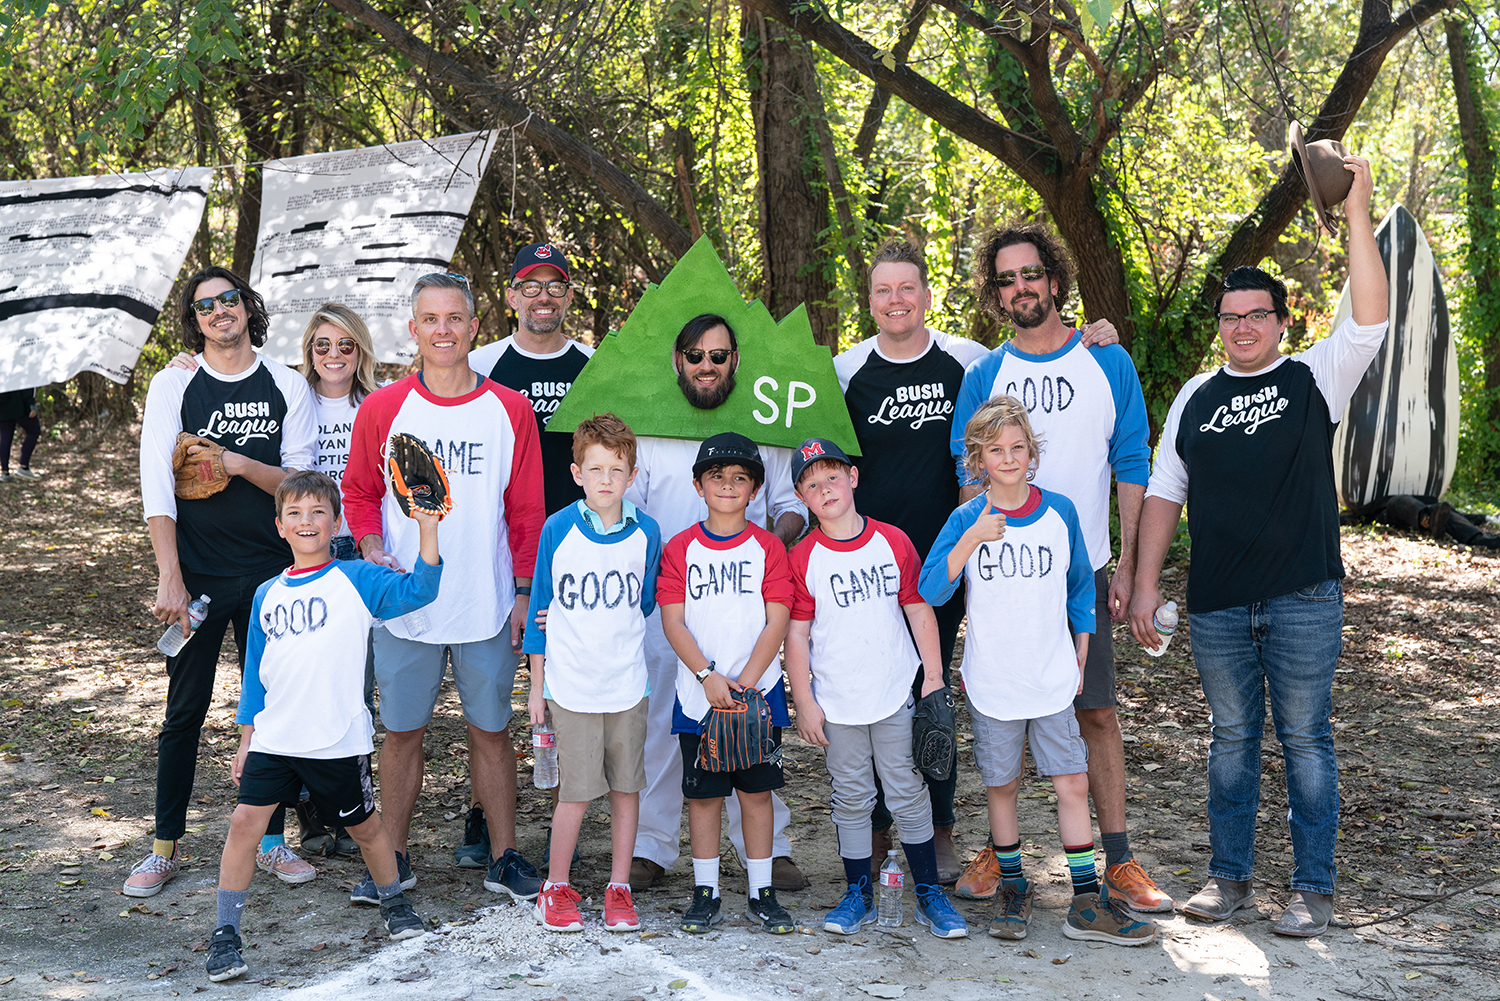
540	363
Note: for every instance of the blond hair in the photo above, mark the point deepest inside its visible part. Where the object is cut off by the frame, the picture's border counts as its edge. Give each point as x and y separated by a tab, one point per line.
338	315
985	426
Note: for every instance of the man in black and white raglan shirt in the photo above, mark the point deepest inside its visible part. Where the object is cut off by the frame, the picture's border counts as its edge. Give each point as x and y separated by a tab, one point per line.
1249	450
901	387
540	363
223	546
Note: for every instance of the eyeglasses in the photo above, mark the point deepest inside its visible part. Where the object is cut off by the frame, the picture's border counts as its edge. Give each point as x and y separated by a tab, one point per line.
1254	318
323	345
230	299
718	356
1032	272
533	289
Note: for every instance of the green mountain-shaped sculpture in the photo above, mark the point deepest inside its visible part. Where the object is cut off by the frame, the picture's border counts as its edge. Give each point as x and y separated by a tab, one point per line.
786	390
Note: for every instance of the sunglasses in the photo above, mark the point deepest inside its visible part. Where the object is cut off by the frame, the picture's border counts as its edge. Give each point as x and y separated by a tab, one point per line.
532	289
230	299
718	356
323	345
1032	272
443	274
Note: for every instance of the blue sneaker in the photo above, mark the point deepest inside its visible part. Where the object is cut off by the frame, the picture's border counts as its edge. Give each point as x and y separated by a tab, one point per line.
856	910
512	874
474	853
936	912
364	891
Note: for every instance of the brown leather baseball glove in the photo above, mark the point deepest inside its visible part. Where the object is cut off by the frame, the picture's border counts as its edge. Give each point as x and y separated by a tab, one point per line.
202	475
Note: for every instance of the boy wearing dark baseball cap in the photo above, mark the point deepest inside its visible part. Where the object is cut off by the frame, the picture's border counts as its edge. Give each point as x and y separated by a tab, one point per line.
725	594
850	660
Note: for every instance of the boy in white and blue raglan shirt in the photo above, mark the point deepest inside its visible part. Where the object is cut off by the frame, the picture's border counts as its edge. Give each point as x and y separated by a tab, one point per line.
302	714
595	583
1030	597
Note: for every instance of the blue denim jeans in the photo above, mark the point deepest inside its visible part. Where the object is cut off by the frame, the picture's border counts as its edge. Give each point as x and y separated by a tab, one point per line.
1288	645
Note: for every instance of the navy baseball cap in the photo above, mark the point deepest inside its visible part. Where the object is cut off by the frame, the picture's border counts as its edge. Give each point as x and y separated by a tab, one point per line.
726	448
811	451
534	255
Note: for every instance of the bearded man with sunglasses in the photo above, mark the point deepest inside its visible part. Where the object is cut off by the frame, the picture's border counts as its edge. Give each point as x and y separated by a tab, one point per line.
705	356
1249	449
225	545
1085	403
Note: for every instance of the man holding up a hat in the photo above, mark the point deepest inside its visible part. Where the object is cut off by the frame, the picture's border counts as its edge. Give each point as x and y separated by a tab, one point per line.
1248	449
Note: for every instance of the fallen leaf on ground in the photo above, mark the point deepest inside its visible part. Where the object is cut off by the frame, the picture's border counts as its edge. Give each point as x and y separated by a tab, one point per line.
413	975
883	990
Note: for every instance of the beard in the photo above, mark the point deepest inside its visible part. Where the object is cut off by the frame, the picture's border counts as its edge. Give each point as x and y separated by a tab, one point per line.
546	324
706	399
1031	313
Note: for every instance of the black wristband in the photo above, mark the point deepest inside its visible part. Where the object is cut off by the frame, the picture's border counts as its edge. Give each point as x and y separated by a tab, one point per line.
524	590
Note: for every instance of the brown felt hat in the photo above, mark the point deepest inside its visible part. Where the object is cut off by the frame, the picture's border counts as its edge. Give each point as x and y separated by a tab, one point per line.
1321	165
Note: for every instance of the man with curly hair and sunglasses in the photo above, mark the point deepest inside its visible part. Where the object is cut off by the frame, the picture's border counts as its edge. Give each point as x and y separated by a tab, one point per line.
224	545
1085	402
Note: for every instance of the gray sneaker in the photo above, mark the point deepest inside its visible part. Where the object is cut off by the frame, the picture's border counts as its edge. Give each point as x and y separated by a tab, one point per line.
401	919
1306	916
1219	899
1015	910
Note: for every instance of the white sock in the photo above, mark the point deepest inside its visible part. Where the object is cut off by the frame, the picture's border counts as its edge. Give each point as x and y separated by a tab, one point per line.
760	874
620	886
549	885
706	873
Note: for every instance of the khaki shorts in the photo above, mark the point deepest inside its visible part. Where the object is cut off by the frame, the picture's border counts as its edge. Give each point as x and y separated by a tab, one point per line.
599	753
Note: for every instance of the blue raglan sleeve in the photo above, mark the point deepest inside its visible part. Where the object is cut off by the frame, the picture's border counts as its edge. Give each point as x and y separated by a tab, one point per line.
934	585
972	393
653	563
252	691
1130	444
390	594
1081	595
553	532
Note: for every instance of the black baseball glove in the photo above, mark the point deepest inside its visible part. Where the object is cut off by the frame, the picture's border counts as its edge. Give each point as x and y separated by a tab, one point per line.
417	477
934	734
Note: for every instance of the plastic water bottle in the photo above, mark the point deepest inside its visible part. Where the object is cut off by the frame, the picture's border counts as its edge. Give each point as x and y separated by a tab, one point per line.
1165	621
888	900
544	753
172	641
416	622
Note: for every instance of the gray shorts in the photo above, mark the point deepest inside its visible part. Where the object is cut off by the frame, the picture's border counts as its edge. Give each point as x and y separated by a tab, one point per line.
410	673
1099	668
999	745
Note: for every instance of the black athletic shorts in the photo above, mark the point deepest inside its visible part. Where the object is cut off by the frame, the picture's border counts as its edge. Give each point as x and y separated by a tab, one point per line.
698	784
339	787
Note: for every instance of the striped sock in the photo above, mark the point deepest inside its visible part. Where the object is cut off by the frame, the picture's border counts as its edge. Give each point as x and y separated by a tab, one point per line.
1081	866
1010	861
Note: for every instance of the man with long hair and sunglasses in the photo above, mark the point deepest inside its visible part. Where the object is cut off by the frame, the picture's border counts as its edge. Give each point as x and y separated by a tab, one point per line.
223	546
486	436
1085	403
539	362
1249	449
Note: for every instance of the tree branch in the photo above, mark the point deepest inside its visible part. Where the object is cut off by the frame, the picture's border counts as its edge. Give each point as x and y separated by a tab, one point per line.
438	68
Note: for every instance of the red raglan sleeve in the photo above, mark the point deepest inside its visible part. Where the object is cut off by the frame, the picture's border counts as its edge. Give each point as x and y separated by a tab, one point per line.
671	580
803	605
777	584
524	500
907	562
364	476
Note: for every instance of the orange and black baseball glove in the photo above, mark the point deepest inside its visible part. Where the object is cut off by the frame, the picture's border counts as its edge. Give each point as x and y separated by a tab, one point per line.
416	476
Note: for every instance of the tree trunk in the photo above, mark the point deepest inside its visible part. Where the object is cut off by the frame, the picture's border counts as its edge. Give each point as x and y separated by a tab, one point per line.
1484	227
793	213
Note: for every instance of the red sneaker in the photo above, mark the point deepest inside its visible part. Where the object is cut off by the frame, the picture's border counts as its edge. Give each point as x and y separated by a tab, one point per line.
557	908
619	910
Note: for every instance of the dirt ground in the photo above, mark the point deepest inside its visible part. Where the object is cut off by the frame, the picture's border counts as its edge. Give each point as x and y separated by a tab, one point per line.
81	690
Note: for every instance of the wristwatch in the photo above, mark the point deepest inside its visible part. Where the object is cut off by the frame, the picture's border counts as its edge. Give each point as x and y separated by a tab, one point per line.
702	675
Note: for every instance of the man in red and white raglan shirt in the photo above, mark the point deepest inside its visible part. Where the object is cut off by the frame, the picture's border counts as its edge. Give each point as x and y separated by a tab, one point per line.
486	436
